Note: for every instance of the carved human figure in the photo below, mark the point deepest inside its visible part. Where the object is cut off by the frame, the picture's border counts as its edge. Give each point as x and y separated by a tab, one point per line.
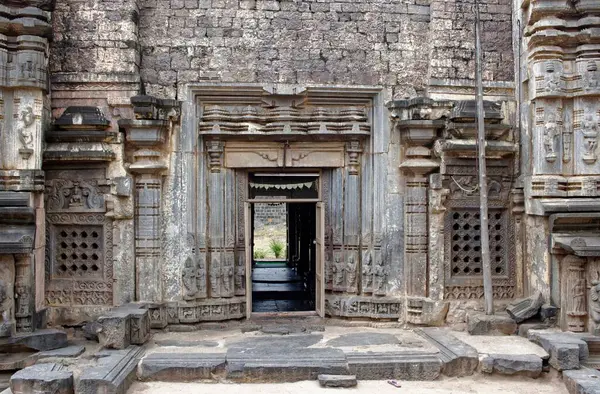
189	279
551	133
589	128
351	271
578	294
25	129
338	272
227	276
76	199
380	273
367	272
215	276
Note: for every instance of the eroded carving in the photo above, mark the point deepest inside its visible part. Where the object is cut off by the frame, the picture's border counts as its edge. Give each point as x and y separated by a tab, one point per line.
26	129
589	130
595	304
189	278
550	138
5	323
576	310
591	81
65	194
552	78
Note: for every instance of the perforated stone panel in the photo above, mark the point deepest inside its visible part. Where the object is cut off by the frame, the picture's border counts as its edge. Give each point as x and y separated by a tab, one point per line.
466	242
79	251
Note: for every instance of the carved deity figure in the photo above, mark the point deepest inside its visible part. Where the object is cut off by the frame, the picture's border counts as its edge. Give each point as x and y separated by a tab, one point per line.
227	276
551	133
380	273
338	272
215	276
25	131
367	272
579	296
76	199
589	128
189	279
552	79
351	271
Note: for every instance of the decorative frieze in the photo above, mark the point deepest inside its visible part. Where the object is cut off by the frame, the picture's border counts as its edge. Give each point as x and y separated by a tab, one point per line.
366	307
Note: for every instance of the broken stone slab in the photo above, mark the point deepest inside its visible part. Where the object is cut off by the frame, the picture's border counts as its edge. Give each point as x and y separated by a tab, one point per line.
47	378
458	358
90	331
566	350
114	371
140	323
481	324
513	364
180	367
394	365
41	340
344	381
284	365
66	352
582	381
524	308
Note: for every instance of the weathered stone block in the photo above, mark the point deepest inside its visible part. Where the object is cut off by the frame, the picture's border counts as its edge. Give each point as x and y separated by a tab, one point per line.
458	358
426	312
43	379
582	381
481	324
525	308
337	380
113	373
180	366
566	350
513	364
115	331
392	365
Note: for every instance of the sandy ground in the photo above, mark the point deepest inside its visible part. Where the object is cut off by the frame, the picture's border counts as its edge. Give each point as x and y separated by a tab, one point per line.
549	384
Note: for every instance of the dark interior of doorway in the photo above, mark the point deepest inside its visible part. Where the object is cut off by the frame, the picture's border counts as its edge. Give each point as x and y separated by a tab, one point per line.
289	285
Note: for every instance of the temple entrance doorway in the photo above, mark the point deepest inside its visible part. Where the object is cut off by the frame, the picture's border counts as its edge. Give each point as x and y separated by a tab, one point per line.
284	232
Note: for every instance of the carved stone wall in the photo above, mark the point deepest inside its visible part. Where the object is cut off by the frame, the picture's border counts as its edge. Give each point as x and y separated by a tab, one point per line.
79	240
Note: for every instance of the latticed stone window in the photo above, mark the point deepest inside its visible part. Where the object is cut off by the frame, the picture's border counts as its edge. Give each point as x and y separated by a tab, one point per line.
466	242
78	251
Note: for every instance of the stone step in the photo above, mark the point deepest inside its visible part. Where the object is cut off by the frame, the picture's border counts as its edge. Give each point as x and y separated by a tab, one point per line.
394	365
180	367
513	364
337	381
275	365
566	350
113	373
459	358
40	340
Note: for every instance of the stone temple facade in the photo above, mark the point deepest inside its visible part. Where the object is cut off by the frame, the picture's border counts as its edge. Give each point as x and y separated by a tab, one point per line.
130	129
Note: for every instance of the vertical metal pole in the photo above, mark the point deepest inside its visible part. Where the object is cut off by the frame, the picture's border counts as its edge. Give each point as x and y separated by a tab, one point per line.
483	191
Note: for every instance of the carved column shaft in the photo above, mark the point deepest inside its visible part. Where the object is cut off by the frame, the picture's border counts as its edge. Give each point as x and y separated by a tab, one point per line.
147	236
416	235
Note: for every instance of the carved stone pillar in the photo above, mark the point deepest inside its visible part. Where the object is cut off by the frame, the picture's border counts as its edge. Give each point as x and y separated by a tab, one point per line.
147	139
24	32
417	135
